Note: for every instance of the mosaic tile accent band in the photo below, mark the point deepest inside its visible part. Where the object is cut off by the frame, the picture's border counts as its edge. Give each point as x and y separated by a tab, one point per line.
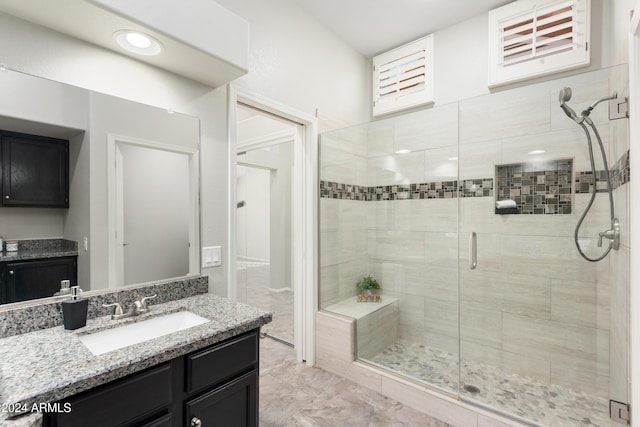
620	175
537	188
427	190
477	187
335	190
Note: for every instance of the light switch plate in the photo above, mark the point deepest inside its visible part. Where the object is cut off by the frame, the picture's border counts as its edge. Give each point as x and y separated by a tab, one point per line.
211	256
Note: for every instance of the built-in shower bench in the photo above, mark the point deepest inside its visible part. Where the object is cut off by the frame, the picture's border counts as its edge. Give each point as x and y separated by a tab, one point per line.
377	323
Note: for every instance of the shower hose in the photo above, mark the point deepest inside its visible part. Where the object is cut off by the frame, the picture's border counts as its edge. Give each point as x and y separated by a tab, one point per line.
594	189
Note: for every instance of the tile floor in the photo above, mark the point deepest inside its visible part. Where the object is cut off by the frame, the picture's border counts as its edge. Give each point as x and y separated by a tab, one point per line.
294	394
254	289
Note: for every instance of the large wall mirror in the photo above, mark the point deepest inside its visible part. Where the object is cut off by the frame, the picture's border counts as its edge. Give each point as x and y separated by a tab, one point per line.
133	182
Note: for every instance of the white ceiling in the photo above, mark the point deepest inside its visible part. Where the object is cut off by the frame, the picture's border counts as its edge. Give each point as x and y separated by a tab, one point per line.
375	26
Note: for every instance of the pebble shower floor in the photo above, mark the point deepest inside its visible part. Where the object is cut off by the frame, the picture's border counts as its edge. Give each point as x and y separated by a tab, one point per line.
531	399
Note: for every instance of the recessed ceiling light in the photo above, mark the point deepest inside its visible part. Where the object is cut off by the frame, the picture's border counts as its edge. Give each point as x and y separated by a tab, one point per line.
138	42
403	151
536	152
451	159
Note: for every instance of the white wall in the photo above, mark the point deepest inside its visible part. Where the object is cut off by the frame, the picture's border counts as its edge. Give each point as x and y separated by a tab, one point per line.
296	61
267	217
60	111
253	231
461	65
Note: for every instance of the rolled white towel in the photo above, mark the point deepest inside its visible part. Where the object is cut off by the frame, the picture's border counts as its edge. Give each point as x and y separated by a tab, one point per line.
505	204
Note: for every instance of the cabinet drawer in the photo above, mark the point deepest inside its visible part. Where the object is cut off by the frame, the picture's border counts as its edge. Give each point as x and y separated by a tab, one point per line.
135	397
209	367
163	421
234	404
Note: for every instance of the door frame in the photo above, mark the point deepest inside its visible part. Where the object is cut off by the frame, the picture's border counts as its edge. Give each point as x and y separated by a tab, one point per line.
634	212
305	245
114	202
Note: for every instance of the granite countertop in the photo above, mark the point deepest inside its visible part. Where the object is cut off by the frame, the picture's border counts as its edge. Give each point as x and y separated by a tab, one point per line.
51	364
40	249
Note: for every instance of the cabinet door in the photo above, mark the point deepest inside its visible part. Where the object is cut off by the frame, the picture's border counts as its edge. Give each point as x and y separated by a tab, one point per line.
35	170
37	279
124	402
234	404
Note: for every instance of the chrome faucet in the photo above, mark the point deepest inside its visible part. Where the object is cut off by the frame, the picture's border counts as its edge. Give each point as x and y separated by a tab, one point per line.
142	306
138	307
612	234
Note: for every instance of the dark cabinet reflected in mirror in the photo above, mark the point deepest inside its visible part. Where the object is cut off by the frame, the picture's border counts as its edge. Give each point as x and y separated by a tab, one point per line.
27	280
35	170
63	207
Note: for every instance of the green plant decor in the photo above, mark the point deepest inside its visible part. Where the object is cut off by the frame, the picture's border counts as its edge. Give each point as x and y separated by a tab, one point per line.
367	283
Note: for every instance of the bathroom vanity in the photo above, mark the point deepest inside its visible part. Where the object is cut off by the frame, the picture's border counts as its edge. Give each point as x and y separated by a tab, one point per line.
216	385
186	378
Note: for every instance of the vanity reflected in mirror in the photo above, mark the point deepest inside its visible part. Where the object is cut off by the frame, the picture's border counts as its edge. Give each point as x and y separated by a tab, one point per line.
133	178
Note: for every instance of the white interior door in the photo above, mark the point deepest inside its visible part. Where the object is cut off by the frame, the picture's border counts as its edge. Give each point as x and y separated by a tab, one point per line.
151	219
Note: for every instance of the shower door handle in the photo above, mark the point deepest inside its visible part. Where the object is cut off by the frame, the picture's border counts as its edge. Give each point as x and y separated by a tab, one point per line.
473	250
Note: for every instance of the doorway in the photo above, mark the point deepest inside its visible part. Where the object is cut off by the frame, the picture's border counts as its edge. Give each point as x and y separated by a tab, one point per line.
273	216
264	227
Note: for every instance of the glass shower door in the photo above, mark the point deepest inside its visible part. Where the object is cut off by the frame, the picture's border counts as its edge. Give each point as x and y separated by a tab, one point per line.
543	332
388	209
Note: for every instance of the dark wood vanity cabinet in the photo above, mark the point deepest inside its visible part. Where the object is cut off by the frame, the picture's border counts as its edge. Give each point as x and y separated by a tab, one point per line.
35	170
31	279
233	400
215	386
233	404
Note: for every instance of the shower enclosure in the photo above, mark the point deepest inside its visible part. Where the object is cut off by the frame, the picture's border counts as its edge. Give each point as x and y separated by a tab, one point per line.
495	307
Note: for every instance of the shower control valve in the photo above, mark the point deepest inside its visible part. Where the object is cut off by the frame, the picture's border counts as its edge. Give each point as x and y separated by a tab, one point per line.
613	234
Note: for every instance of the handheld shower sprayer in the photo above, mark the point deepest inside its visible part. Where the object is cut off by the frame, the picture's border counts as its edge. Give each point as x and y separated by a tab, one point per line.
612	234
564	96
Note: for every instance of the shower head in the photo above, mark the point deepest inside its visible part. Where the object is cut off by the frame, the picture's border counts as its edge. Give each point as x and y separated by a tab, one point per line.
564	96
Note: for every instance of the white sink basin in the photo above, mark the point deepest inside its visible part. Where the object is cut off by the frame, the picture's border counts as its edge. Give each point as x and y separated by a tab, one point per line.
135	333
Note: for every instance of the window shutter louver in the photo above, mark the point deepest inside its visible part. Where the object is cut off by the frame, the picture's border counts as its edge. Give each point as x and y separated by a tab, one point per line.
403	77
528	39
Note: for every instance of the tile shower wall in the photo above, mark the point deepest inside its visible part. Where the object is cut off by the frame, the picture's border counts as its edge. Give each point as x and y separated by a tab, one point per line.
343	216
406	218
534	306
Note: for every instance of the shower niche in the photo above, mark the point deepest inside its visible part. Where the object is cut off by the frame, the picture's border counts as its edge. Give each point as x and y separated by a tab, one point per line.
536	332
537	188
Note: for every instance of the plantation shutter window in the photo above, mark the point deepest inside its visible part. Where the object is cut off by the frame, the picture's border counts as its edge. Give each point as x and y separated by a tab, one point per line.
530	38
403	77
